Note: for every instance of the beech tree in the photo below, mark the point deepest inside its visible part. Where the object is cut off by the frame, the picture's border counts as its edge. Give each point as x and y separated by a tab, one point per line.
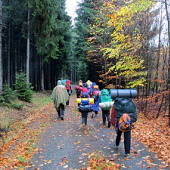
126	42
168	81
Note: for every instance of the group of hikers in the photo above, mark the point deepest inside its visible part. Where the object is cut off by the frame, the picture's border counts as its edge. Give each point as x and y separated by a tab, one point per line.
120	112
91	96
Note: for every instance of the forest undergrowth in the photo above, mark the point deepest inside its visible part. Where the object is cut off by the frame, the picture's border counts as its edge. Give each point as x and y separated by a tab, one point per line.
19	142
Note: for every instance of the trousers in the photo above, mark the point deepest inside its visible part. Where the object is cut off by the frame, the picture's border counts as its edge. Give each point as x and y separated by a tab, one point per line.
127	140
60	110
84	116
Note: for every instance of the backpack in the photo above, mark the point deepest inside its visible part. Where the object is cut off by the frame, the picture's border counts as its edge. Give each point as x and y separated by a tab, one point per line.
68	85
126	105
84	95
105	97
95	92
124	123
85	106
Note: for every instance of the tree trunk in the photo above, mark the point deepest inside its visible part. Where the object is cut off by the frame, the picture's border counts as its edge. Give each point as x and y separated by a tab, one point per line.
168	81
28	49
1	77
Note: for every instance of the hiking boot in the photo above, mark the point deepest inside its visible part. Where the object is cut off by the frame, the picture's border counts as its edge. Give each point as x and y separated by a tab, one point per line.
62	118
115	146
127	156
84	124
109	124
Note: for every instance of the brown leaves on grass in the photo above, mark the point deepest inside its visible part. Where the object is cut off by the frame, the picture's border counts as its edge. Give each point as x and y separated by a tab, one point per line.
17	151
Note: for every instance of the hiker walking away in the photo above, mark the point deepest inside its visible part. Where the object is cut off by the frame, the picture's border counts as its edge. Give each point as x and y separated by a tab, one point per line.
126	114
105	97
60	97
78	88
95	93
84	107
88	85
69	89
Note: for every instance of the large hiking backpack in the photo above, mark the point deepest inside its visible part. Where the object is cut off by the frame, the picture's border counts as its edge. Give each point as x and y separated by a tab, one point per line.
126	105
84	95
85	106
105	97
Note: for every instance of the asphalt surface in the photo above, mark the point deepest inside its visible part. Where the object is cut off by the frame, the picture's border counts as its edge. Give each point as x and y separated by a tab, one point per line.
68	145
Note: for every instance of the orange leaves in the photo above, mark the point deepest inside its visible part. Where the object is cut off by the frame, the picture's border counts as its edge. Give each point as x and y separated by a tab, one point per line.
99	162
155	137
102	163
17	151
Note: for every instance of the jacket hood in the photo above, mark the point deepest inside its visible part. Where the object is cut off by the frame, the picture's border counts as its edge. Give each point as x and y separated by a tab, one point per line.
105	92
59	82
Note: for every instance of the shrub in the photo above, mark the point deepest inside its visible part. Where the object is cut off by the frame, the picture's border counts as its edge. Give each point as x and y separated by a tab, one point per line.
17	106
8	94
23	89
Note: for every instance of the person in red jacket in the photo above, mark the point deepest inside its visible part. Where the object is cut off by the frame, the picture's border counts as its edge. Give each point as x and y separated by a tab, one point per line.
69	89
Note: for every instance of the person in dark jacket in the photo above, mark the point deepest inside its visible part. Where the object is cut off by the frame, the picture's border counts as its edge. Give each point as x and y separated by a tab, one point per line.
120	110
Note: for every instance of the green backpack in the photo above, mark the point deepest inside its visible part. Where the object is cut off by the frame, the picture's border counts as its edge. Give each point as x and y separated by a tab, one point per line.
105	97
126	105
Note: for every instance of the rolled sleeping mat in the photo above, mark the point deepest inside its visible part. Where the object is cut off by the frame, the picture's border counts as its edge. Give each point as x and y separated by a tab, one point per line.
130	93
91	100
79	100
106	104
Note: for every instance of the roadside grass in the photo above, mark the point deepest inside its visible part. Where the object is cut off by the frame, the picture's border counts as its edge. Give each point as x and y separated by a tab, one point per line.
13	120
20	129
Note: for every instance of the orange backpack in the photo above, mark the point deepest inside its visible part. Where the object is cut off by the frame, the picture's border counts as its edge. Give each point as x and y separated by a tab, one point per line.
124	123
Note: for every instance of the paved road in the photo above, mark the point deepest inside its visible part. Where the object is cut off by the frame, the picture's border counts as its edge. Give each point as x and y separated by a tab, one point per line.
67	145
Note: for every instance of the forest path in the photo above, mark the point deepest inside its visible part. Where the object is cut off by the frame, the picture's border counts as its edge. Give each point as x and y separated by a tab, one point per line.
68	145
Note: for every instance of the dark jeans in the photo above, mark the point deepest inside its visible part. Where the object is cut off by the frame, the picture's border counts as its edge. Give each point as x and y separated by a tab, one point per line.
60	110
105	116
127	140
84	116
